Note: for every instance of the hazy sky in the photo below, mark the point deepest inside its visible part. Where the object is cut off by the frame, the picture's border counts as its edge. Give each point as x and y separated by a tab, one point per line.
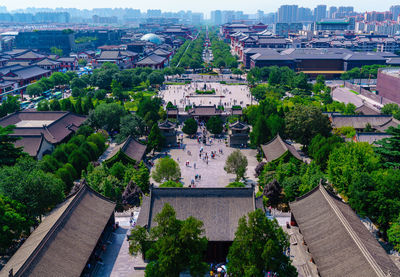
248	6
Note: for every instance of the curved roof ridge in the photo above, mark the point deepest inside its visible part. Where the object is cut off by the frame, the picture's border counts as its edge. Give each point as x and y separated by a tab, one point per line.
284	144
378	270
76	197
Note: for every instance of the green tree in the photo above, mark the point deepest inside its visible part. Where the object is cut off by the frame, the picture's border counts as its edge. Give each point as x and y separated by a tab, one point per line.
14	220
214	125
43	105
389	148
141	177
107	117
34	90
59	78
131	125
78	160
171	184
166	169
156	78
236	185
236	163
258	248
55	105
260	133
10	104
259	92
349	159
156	139
392	109
66	105
394	234
26	183
56	51
321	147
78	83
190	126
305	122
8	152
178	245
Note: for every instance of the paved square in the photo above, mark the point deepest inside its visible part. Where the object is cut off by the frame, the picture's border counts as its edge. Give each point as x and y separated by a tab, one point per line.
226	95
213	173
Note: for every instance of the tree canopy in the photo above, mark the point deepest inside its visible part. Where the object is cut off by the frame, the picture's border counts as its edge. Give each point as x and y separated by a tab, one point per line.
214	125
8	152
107	117
178	245
236	163
305	122
258	248
190	126
166	169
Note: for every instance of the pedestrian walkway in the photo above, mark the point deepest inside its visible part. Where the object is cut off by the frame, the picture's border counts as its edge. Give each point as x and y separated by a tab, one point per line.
117	262
212	173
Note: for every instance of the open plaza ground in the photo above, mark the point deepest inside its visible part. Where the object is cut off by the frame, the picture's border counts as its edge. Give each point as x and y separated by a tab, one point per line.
212	173
225	95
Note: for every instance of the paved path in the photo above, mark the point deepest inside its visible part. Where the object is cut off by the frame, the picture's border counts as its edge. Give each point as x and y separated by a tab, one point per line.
213	173
117	260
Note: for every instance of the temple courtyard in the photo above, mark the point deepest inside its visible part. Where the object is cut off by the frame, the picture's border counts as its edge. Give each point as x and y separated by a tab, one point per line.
225	95
213	173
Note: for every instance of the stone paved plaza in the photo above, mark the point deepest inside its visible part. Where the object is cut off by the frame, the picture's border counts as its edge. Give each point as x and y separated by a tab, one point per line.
213	173
226	95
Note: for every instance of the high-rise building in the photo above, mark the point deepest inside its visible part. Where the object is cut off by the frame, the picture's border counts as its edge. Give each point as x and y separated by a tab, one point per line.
261	16
332	11
320	12
3	9
348	9
304	14
395	10
287	13
154	13
216	17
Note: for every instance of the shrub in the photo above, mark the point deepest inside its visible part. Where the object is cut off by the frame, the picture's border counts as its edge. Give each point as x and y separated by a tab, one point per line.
171	184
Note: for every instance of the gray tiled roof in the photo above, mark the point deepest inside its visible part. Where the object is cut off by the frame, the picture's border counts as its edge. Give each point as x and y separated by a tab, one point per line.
371	138
131	147
153	59
28	72
359	121
218	208
55	132
338	241
276	148
62	244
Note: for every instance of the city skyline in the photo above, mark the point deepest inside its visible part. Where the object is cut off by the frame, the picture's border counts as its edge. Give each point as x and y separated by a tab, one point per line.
204	6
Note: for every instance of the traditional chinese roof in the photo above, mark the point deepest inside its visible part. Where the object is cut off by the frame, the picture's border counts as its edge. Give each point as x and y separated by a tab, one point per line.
62	244
55	126
276	148
359	121
238	126
218	208
167	125
338	241
131	148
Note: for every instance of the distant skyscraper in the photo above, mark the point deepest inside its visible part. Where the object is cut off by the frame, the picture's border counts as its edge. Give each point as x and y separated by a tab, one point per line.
320	12
395	10
216	17
154	13
346	9
287	13
260	16
332	11
3	9
304	14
